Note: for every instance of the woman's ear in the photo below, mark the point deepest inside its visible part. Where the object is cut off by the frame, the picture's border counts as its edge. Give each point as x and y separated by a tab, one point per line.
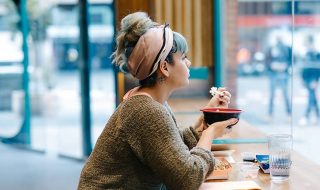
164	69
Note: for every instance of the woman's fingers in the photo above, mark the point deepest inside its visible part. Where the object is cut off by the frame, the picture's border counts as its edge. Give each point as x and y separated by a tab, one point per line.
224	96
225	123
223	92
220	99
227	93
225	99
230	121
220	128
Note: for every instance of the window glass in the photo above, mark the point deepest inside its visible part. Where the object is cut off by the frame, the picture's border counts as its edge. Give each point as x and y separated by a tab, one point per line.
11	70
102	75
277	70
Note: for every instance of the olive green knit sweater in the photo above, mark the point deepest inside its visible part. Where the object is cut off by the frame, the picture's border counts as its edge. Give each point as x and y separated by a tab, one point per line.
141	147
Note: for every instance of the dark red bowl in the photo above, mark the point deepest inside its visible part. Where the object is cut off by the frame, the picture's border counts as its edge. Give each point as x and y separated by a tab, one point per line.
212	115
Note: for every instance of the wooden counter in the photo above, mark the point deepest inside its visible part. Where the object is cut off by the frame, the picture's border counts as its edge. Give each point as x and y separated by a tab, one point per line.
304	174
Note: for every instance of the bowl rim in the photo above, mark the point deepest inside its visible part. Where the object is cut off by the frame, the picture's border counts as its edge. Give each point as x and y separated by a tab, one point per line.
221	110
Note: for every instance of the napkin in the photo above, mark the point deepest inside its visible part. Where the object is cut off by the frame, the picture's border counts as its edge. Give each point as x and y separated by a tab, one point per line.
231	185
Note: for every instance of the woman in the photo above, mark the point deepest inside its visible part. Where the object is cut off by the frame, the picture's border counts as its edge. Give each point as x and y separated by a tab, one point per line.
141	146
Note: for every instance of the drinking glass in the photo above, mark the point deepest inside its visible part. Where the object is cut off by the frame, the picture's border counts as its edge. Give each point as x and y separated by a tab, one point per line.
280	146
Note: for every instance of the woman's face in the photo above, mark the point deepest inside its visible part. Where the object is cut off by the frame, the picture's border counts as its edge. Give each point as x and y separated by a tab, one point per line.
179	70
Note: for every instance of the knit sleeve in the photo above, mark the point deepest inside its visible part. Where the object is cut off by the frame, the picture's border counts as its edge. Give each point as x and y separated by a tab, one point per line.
190	137
155	140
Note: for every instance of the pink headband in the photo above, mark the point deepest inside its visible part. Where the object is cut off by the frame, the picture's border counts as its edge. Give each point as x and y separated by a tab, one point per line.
151	49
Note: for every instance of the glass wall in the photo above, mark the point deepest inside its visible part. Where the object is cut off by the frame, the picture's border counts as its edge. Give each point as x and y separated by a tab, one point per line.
53	71
264	63
11	70
61	76
54	84
276	66
102	76
306	122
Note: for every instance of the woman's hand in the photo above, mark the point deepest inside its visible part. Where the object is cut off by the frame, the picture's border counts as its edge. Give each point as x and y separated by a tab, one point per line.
220	128
221	99
215	130
201	125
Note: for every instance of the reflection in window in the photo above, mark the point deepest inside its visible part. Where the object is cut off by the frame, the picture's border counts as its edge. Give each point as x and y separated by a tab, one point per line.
269	77
264	55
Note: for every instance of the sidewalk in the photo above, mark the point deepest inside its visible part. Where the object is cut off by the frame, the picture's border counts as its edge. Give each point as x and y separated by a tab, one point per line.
27	170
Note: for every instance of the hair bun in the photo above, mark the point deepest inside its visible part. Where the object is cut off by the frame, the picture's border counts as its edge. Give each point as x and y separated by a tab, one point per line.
132	27
136	24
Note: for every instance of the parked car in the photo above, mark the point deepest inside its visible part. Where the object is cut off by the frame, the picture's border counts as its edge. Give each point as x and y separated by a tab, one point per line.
252	65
